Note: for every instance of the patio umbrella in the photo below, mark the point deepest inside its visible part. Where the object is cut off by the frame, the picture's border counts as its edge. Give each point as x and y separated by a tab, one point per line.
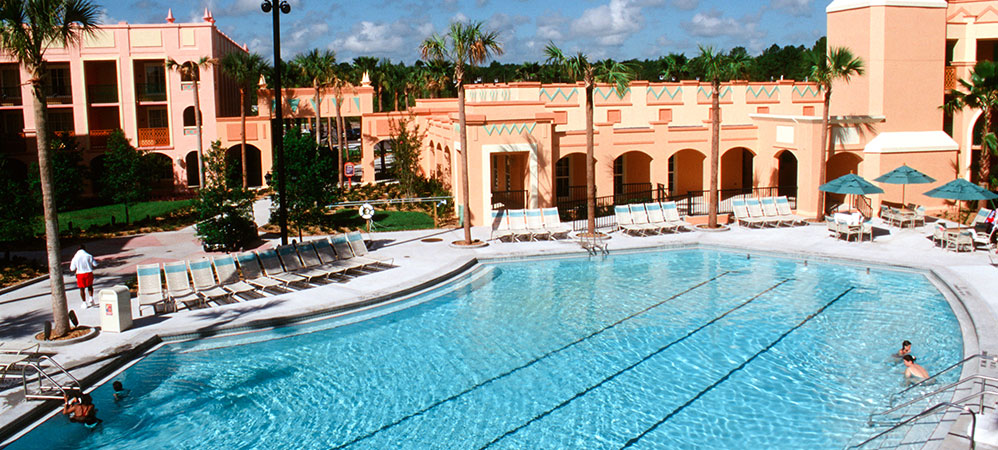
850	184
904	175
960	189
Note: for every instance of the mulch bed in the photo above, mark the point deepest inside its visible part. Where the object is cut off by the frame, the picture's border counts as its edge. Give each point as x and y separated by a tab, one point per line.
74	333
18	270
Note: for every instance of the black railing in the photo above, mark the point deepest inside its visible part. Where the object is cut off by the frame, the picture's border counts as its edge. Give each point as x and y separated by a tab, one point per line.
697	203
509	199
150	92
10	95
102	93
576	211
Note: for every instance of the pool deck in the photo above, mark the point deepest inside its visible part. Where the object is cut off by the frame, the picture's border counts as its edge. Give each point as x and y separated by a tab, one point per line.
970	277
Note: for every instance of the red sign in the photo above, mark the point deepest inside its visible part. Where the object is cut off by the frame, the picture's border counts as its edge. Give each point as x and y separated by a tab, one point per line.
348	169
109	309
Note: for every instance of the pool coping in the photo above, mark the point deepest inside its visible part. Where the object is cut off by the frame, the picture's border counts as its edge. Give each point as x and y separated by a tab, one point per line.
964	300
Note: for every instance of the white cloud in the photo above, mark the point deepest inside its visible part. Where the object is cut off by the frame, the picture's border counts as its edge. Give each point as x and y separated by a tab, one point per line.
397	39
460	17
743	31
611	24
549	27
686	5
798	8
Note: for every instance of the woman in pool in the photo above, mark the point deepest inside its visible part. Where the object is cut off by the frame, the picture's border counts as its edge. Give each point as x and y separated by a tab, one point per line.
905	349
914	373
81	409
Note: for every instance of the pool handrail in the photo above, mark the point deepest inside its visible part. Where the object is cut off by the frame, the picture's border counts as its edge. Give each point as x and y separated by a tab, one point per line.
960	363
956	404
983	378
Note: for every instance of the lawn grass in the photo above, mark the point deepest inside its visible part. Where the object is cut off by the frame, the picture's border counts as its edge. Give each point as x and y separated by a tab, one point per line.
101	216
383	220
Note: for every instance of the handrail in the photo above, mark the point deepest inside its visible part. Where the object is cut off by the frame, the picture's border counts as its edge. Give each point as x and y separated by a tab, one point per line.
942	389
963	409
63	369
391	201
937	374
24	379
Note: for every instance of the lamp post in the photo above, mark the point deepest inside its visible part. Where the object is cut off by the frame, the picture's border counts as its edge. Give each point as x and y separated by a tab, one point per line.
277	126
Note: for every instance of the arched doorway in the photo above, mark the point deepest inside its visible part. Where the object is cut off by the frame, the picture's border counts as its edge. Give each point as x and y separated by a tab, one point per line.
737	175
840	164
786	174
383	160
163	173
632	177
189	119
975	150
686	172
193	175
570	177
234	165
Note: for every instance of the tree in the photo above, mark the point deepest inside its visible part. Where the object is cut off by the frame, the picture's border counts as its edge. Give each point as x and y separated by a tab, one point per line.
224	208
407	140
838	64
619	76
311	179
245	69
317	67
27	29
128	171
192	71
67	170
717	67
465	45
21	204
980	92
340	81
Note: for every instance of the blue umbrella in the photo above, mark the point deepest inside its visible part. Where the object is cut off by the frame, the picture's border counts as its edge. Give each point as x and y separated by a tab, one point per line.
960	189
850	184
904	175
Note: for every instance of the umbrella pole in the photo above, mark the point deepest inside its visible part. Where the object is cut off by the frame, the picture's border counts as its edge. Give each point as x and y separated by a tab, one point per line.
902	195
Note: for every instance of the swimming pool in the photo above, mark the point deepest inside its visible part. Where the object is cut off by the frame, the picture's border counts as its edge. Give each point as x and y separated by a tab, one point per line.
676	349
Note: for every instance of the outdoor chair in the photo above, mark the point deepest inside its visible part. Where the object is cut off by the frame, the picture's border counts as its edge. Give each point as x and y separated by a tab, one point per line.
624	221
343	251
205	284
833	226
656	216
981	217
755	212
310	258
783	207
330	258
360	252
963	240
500	226
150	290
228	275
772	213
254	275
518	225
178	285
535	224
292	264
639	217
847	230
919	219
272	267
552	223
939	235
742	216
672	217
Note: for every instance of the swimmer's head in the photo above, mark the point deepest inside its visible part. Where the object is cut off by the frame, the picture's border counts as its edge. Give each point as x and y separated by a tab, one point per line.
905	344
117	386
909	358
86	399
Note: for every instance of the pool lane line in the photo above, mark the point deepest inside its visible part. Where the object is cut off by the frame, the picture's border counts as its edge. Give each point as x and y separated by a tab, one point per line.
689	402
532	362
628	368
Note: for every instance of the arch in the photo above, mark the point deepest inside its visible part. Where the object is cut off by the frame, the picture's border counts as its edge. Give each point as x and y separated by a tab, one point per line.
234	163
737	174
193	175
570	177
975	146
383	159
190	75
632	173
163	165
841	164
686	171
189	119
786	173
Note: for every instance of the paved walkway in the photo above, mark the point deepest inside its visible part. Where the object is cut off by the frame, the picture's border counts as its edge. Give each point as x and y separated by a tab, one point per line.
420	264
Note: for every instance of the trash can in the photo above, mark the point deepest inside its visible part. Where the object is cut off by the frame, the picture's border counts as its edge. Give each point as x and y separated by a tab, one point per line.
115	309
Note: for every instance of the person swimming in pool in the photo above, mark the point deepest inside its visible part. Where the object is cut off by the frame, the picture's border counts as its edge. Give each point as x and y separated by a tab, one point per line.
81	409
905	349
914	373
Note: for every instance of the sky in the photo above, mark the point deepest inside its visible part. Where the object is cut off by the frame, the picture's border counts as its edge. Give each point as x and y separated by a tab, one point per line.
619	29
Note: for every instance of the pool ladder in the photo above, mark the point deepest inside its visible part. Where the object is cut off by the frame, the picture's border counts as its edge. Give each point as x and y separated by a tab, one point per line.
39	384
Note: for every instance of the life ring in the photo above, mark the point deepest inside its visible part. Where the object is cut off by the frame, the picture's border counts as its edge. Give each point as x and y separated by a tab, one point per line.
366	211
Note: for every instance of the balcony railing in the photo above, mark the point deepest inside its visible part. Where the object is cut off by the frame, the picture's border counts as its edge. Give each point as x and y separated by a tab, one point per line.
13	142
153	92
509	199
10	95
98	139
102	93
154	137
949	78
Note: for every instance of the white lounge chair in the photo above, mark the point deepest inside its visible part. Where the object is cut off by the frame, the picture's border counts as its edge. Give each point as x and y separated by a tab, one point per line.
150	289
178	285
625	222
500	226
205	284
553	224
254	274
535	225
671	212
518	225
228	275
755	211
639	217
272	267
656	216
292	264
311	260
783	207
330	258
345	253
360	252
742	216
772	213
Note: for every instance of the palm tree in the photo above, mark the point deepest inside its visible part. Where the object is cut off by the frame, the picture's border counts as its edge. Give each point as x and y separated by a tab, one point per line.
192	71
245	69
609	71
838	64
717	67
317	67
27	29
341	79
465	45
981	93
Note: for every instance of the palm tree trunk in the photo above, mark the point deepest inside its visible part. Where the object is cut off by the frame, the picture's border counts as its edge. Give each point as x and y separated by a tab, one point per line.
197	121
318	117
395	94
822	158
60	312
242	122
984	160
590	163
378	93
339	138
715	144
465	189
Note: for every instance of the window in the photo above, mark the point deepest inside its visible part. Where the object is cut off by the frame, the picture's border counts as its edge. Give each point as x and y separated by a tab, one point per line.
10	83
672	174
189	119
618	175
59	82
561	177
157	118
61	120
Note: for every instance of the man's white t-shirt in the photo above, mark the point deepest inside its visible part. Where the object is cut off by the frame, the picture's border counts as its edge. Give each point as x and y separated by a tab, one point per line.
82	262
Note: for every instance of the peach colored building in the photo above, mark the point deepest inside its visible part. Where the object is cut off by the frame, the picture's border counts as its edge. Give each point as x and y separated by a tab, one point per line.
117	79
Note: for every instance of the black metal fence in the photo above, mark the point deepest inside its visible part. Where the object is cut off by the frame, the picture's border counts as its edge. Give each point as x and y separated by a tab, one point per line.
693	203
509	199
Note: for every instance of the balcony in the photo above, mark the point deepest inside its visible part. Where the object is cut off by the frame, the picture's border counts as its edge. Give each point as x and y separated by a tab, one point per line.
102	93
98	139
60	95
13	142
154	137
10	96
147	92
949	78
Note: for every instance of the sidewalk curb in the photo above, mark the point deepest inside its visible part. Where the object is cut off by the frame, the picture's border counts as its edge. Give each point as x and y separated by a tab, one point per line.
22	284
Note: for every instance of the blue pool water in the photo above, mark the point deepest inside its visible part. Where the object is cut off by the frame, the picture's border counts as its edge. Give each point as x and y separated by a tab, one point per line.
668	350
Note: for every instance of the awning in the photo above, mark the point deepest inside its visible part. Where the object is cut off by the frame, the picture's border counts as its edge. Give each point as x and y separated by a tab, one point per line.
912	141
